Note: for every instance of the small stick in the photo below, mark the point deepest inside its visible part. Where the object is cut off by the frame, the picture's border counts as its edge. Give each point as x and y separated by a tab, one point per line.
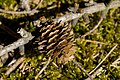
36	77
76	63
19	61
104	59
19	12
97	72
22	12
88	10
40	3
101	19
117	61
13	67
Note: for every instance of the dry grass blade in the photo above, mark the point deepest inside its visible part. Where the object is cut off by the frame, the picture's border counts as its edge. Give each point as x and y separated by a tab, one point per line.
13	67
88	33
43	68
103	59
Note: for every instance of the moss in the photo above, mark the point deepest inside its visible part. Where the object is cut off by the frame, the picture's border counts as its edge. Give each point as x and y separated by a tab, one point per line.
108	32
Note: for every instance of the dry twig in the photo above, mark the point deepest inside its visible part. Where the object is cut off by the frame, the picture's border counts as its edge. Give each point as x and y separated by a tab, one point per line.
33	11
76	63
97	72
101	19
38	5
19	12
36	77
13	67
104	59
116	62
88	10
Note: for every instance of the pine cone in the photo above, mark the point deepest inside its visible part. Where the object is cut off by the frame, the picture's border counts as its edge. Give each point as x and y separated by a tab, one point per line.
54	37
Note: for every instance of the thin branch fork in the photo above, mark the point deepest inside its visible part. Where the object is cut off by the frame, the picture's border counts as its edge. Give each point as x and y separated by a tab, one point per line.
27	37
23	12
89	10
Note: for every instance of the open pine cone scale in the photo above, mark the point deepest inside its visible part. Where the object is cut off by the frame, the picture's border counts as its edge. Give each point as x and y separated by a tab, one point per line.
54	37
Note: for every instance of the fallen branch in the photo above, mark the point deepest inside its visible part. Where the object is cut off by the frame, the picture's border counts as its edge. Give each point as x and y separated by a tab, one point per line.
27	37
89	10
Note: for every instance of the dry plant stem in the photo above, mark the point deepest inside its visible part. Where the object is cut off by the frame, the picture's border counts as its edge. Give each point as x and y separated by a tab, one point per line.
20	12
103	59
76	63
23	12
38	5
13	67
97	42
88	33
116	62
16	44
55	64
97	72
36	77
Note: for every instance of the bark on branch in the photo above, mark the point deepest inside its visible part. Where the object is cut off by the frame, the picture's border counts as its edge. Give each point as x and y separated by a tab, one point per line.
26	38
89	10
